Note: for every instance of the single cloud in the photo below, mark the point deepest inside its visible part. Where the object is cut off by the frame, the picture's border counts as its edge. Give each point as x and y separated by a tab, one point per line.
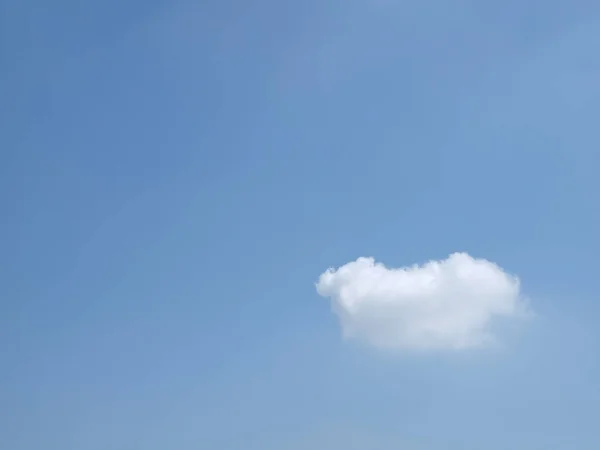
441	305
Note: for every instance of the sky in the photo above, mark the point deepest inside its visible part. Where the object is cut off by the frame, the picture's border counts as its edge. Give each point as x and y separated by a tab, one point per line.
334	224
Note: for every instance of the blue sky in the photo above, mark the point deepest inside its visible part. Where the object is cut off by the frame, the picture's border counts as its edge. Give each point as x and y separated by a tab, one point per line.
175	176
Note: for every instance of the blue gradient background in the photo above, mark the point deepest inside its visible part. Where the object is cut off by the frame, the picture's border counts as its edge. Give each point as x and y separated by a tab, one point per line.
176	175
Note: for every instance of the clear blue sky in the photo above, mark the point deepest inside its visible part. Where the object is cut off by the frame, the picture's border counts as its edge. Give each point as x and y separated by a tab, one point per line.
176	175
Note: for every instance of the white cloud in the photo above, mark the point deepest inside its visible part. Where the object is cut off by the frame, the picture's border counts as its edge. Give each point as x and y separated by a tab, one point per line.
447	304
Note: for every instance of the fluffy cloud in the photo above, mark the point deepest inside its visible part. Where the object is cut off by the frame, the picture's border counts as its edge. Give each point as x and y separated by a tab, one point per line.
448	304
